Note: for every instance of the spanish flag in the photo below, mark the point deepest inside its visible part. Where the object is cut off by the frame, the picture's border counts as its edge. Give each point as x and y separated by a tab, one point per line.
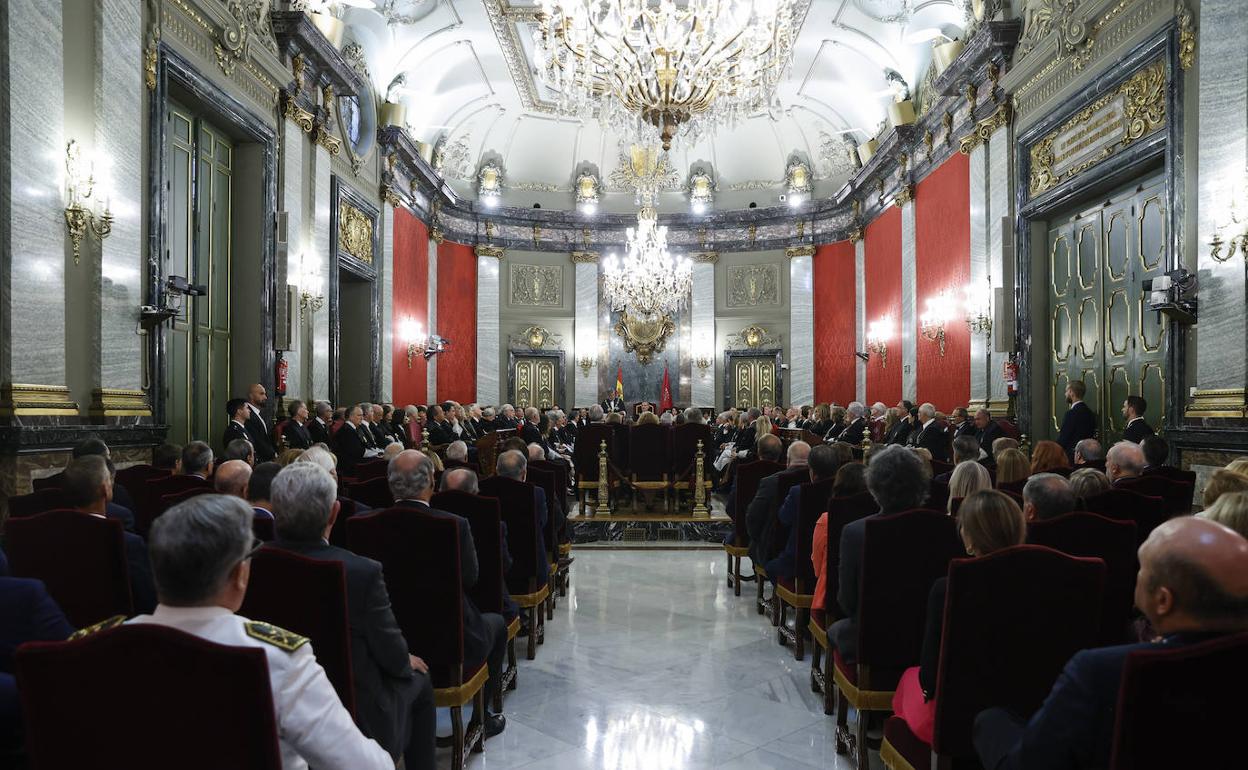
619	381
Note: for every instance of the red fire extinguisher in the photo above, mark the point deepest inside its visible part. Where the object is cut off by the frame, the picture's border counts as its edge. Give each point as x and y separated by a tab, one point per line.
283	367
1010	374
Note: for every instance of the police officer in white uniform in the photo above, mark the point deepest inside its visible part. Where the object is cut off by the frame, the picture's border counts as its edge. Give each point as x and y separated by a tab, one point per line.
200	552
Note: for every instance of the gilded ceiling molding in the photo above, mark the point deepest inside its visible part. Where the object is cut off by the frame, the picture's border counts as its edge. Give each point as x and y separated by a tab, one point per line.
706	257
905	194
985	128
486	250
855	235
1187	36
301	117
390	195
799	251
585	257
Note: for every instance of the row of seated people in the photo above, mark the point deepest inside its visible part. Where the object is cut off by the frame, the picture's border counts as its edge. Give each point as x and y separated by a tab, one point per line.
410	478
877	601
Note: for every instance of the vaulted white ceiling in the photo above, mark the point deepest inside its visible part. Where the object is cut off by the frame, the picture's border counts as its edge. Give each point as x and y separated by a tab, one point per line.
470	86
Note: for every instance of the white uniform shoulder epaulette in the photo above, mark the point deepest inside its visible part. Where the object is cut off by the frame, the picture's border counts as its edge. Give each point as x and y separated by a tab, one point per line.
274	635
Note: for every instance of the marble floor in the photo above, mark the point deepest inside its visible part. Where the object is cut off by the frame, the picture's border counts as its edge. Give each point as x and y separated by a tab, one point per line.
652	663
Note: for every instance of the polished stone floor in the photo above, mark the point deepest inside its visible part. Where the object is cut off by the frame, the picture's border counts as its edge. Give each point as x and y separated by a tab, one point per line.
651	663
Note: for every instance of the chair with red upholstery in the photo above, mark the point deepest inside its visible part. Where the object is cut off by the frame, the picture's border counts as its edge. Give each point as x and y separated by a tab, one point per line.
1182	707
527	581
486	523
799	593
939	467
1013	486
937	495
135	478
1114	542
309	597
1126	505
1177	494
168	501
779	538
650	454
373	492
1015	496
1008	428
151	501
1172	473
371	469
685	440
46	482
1000	645
748	476
559	540
419	557
80	558
81	700
902	555
547	480
592	440
338	533
39	501
841	511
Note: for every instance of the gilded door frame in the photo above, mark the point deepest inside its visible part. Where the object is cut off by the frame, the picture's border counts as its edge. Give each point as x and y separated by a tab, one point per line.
560	371
730	355
341	192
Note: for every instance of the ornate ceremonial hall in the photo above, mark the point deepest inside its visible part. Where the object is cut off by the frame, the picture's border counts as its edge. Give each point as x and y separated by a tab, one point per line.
623	384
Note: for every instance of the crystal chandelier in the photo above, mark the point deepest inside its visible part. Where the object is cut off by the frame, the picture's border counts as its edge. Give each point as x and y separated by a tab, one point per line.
655	69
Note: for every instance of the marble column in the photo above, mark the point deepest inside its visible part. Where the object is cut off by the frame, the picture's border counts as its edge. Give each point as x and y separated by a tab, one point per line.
702	321
801	327
488	348
318	261
909	300
118	382
979	266
585	328
385	277
32	223
298	379
431	368
999	218
860	317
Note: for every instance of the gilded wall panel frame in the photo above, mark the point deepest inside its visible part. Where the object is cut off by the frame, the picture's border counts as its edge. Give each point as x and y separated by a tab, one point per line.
536	285
753	285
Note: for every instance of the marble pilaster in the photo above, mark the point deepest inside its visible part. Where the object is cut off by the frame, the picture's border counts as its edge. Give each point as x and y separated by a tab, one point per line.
702	321
298	378
1000	149
860	318
585	392
318	256
431	367
909	316
385	277
801	331
489	348
979	264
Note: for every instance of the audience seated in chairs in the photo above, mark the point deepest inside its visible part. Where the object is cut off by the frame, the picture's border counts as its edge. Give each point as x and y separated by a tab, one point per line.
823	462
761	512
393	695
1012	467
1047	496
200	552
1192	586
967	479
28	613
1089	482
1047	457
851	480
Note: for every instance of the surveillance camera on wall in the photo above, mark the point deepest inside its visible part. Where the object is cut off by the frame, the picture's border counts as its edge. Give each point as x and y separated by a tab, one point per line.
782	197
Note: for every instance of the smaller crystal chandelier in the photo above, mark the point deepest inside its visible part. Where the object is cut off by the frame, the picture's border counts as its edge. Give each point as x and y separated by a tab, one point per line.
650	281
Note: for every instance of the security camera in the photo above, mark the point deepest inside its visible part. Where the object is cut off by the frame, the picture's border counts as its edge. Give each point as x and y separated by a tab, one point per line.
179	285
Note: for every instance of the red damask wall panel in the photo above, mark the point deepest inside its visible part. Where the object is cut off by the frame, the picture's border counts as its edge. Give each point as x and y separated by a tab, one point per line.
942	234
411	303
835	365
883	301
457	322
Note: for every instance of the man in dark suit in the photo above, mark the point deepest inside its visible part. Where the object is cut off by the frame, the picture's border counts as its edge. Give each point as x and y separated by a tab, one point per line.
898	480
376	424
900	432
612	403
257	428
514	464
296	434
260	489
1124	460
1192	586
965	449
349	445
1133	412
987	431
27	614
930	434
318	427
856	425
822	466
1079	422
236	411
485	633
961	423
1156	454
529	430
439	427
760	510
393	693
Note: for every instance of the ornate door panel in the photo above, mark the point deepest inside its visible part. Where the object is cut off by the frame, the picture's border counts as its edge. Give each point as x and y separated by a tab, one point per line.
753	382
535	381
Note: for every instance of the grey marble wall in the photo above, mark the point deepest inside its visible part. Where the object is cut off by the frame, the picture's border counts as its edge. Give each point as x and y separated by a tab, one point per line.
488	347
909	315
979	264
702	314
318	254
1000	247
385	277
586	329
292	200
32	291
801	331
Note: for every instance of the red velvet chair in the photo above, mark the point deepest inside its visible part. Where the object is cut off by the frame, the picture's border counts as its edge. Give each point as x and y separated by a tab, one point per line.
1177	494
562	548
42	500
46	482
789	478
263	528
419	556
135	479
650	453
939	467
338	533
525	581
309	597
371	469
589	443
1172	473
685	440
841	511
151	501
1112	541
1126	505
748	476
937	495
1000	645
1015	487
119	698
902	555
548	481
373	492
485	520
451	464
80	558
1015	496
1182	707
799	593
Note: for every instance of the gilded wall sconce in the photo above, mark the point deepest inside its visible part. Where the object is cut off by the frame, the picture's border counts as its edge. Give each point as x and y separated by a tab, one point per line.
878	335
932	322
79	188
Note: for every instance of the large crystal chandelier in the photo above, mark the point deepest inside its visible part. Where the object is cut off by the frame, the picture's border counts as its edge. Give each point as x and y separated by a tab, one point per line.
655	69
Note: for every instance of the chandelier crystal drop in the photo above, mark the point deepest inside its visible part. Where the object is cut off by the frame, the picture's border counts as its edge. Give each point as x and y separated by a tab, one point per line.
655	69
649	282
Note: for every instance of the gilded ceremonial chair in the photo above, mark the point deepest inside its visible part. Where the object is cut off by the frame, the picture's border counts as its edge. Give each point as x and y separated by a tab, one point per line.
39	501
525	581
373	492
485	521
81	699
1127	505
749	475
1110	540
788	479
593	446
902	555
649	451
309	597
1000	645
1177	494
1195	691
419	556
685	443
841	511
799	592
80	558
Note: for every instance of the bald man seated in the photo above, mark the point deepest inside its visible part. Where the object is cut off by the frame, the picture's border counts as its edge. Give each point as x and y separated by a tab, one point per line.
1192	586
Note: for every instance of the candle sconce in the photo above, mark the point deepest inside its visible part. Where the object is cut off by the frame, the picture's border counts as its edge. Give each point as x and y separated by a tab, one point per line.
79	188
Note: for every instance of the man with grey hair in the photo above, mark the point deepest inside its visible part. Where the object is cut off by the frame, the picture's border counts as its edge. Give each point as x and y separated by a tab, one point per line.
898	480
240	449
595	413
1089	452
393	693
201	556
529	430
366	426
1047	496
761	512
856	428
1125	460
231	478
965	450
197	460
410	476
507	417
930	434
694	416
457	451
318	426
513	465
666	419
461	480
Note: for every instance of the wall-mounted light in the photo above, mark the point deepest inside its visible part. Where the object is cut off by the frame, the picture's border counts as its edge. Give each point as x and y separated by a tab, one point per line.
799	183
701	191
978	307
490	184
587	194
878	334
311	288
586	363
411	332
82	200
939	309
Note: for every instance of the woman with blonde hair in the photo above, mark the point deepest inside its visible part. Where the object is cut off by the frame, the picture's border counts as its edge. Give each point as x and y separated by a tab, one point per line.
648	418
967	479
988	521
1047	457
1230	510
1220	482
1239	466
1011	466
762	426
1089	482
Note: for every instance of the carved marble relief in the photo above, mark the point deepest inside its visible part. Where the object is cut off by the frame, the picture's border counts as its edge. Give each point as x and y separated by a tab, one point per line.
753	285
537	285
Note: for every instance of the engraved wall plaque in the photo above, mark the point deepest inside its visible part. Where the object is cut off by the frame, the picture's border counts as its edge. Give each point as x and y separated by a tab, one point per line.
537	285
753	285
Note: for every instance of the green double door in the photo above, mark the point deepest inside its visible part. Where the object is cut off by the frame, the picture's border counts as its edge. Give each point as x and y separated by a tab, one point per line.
199	177
1101	329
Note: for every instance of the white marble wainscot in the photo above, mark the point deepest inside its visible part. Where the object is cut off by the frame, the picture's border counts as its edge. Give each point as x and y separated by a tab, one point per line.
1000	149
1223	143
431	367
318	259
298	380
488	344
586	332
860	318
909	317
385	276
979	264
702	382
801	332
32	222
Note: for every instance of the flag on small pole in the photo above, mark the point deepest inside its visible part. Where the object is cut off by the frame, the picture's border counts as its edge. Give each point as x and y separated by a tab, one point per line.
619	381
665	397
